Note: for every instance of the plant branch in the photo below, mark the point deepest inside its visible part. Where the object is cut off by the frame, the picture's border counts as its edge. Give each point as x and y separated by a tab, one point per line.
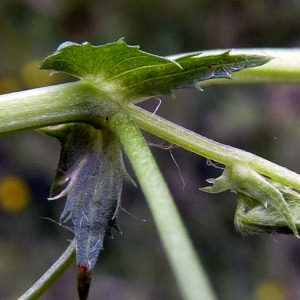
58	104
208	148
52	274
188	271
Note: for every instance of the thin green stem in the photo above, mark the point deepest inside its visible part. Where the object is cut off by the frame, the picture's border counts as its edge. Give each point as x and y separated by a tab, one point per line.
187	269
52	274
208	148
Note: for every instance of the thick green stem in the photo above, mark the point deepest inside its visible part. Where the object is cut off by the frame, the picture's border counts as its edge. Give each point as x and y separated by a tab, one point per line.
188	271
208	148
64	103
52	274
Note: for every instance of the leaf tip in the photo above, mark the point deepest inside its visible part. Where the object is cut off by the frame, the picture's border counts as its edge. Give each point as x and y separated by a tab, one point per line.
84	276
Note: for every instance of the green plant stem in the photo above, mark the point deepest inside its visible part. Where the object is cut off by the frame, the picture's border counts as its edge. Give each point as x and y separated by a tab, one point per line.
283	68
208	148
63	103
188	271
52	274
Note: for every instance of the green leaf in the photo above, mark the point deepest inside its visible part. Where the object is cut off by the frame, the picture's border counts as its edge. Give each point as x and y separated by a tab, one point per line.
129	74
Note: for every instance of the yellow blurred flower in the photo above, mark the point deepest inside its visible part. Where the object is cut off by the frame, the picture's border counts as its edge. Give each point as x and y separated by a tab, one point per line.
270	290
14	194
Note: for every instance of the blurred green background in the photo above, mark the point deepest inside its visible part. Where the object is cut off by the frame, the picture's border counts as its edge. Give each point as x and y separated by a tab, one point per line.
261	119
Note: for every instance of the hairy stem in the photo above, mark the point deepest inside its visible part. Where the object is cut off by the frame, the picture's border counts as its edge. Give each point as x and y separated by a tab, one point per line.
187	269
208	148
